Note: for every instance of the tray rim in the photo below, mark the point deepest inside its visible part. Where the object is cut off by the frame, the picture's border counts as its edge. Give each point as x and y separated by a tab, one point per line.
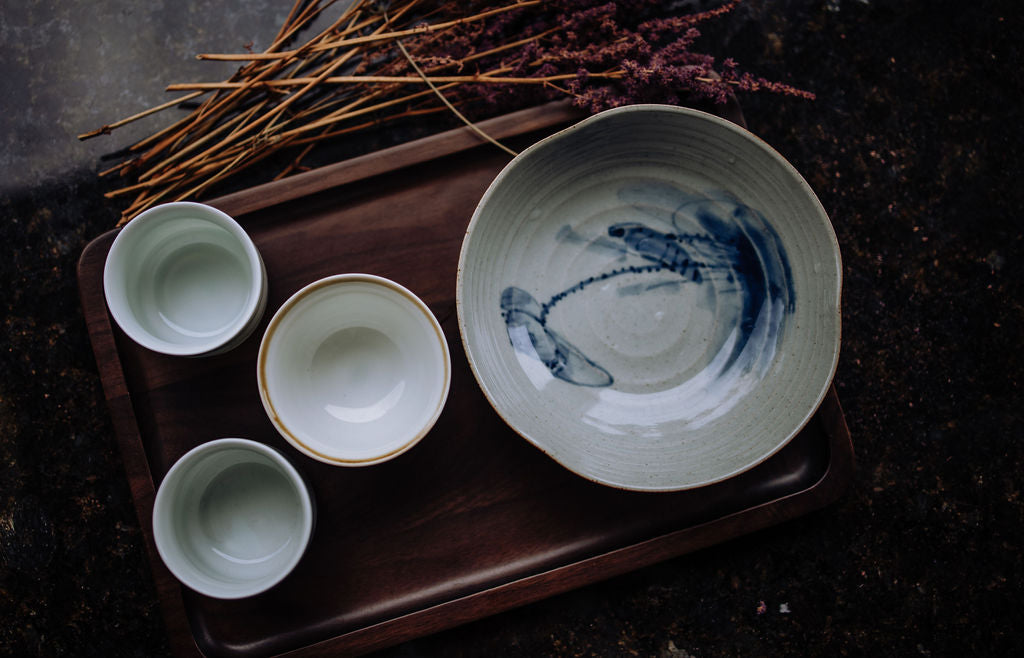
467	608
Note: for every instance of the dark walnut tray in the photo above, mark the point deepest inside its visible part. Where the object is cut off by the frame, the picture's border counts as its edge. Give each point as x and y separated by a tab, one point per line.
473	520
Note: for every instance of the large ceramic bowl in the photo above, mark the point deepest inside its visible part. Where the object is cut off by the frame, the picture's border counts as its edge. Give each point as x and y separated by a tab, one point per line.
651	297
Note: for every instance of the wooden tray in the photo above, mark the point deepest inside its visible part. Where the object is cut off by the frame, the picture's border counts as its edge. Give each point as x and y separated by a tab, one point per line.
470	522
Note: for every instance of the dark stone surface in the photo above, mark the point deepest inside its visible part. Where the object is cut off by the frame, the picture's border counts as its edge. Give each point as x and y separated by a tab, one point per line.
914	147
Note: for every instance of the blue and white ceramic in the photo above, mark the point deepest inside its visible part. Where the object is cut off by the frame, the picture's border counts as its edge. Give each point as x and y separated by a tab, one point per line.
651	297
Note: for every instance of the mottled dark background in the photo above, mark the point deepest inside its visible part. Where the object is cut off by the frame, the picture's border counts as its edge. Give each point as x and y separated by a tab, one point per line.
914	147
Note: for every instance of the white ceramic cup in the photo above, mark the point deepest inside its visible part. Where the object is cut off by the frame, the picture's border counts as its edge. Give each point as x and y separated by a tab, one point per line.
353	370
185	279
232	518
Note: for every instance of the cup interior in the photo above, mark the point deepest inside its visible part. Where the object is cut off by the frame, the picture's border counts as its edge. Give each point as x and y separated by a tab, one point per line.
232	518
183	280
354	369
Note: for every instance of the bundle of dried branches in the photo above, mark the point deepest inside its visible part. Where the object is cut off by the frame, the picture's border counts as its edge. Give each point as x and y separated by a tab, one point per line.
380	61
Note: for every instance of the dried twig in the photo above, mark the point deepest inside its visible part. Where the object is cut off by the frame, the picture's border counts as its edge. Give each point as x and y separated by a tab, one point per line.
447	103
421	57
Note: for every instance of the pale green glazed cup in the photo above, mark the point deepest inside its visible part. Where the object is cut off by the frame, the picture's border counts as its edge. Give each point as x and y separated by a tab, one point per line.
185	279
232	518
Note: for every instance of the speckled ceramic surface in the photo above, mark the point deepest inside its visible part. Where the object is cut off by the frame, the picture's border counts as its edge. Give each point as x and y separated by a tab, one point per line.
651	297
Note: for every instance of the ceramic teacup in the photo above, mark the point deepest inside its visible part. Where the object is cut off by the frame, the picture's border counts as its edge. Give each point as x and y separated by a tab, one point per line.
185	279
353	370
232	518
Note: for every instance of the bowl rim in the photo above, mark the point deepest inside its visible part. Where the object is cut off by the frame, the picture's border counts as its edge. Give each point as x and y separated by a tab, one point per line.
163	503
257	281
718	123
341	280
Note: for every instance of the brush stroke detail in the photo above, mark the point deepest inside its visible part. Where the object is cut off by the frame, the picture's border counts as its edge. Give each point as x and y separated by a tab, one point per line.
706	240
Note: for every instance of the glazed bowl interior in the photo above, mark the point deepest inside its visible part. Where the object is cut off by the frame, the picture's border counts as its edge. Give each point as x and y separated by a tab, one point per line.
651	297
354	370
232	518
184	279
